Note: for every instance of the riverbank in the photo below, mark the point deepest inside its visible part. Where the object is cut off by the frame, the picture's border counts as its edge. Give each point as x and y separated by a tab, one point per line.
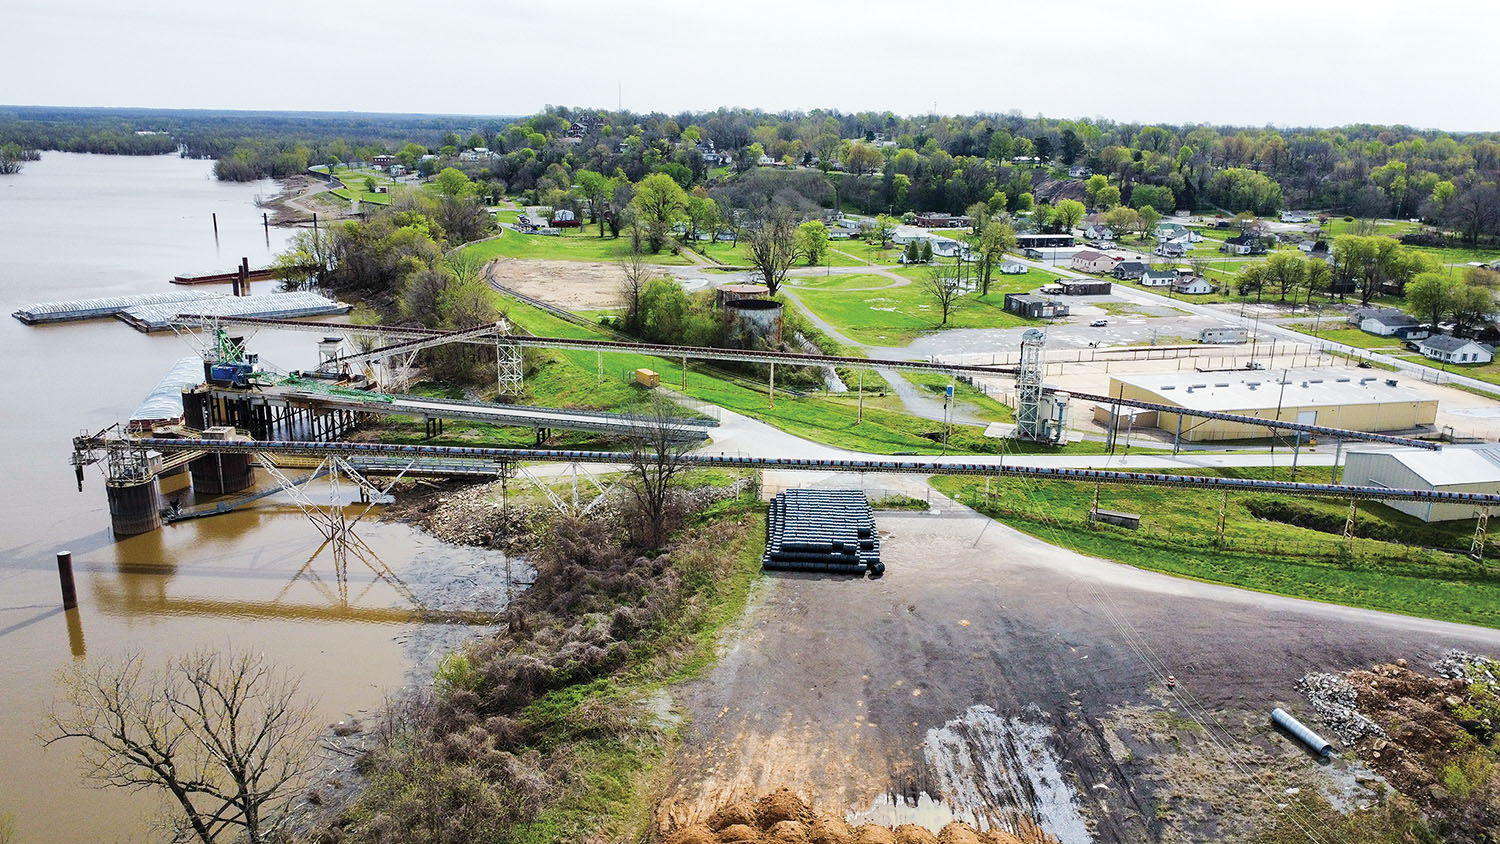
554	727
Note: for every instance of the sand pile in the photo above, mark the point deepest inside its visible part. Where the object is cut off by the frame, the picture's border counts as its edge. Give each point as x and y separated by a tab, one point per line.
781	817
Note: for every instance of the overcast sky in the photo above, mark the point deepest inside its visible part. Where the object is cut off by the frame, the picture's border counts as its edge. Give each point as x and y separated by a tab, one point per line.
1282	62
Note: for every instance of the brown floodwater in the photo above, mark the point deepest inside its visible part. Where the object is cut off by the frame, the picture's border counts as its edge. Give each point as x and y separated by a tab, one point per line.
73	226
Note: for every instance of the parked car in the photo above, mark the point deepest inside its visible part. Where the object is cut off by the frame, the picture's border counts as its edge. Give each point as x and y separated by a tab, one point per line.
1255	364
1099	323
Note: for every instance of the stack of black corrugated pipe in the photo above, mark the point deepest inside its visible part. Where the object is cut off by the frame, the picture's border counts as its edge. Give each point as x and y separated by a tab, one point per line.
822	530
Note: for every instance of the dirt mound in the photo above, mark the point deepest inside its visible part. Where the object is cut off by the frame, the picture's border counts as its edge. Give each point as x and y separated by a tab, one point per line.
871	834
780	805
908	833
1438	731
734	813
695	834
958	832
782	817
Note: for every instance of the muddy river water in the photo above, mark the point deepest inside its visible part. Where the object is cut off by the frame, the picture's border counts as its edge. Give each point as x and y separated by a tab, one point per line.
73	226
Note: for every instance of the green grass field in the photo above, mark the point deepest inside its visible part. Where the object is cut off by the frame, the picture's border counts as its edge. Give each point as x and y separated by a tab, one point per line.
896	316
571	378
1338	332
847	281
1178	531
574	245
738	255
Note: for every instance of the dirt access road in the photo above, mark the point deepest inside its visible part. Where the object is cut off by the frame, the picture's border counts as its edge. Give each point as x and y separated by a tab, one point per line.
1000	674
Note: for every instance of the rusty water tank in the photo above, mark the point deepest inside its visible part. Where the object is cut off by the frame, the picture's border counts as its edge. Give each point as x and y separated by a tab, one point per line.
758	317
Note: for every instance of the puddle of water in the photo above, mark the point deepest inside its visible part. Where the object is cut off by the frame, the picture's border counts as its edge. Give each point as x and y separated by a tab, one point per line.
996	768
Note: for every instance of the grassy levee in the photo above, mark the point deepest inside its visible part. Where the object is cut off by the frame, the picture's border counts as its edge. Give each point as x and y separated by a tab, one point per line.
1424	572
571	377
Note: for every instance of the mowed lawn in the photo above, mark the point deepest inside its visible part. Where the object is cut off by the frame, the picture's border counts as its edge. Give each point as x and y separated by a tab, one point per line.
845	281
895	316
574	245
1332	331
738	255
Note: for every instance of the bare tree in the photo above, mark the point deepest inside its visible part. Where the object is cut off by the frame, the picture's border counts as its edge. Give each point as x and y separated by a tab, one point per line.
227	735
942	283
773	245
637	272
656	458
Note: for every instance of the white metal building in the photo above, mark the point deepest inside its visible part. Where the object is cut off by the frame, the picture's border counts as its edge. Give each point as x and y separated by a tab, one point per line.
1456	468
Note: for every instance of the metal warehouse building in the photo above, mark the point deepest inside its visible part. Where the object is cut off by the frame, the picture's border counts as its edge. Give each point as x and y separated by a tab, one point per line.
1329	396
1454	469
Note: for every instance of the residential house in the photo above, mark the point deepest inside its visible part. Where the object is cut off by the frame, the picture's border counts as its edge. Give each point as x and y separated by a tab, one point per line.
765	161
1013	268
1243	244
947	247
842	233
1153	278
1168	230
1455	349
1129	269
1089	261
1078	171
380	162
1098	231
1192	286
1393	323
1171	249
1296	217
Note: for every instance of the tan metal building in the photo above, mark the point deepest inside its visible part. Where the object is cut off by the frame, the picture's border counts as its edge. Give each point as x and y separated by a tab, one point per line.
1330	396
1455	468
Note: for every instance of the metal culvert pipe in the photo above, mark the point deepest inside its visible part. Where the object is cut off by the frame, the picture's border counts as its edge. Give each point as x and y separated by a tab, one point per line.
1301	731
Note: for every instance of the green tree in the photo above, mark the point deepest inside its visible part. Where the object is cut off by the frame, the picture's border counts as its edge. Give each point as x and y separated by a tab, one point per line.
1149	218
452	182
1156	196
978	214
1432	295
812	239
1095	183
1285	273
1107	198
1025	202
703	214
1068	213
885	226
913	252
996	240
594	187
1122	220
659	200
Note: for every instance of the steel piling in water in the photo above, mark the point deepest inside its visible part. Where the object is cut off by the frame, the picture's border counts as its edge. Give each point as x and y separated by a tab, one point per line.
65	577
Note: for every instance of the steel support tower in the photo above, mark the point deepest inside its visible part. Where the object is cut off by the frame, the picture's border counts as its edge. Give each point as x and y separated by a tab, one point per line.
1029	422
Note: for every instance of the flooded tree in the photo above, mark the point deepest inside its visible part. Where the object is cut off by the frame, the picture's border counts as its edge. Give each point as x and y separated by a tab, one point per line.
228	736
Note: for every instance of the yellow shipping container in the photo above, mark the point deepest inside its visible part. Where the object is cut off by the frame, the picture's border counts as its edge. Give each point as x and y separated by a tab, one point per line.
647	378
